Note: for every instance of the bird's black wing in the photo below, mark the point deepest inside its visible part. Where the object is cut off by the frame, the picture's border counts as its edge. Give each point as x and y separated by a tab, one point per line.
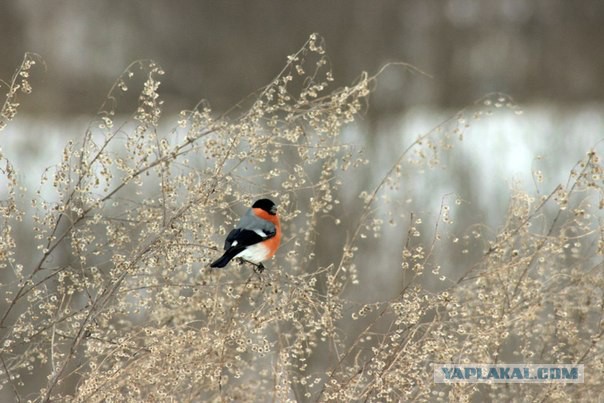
240	237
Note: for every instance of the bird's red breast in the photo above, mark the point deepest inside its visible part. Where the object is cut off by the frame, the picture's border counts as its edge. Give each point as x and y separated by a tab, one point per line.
272	243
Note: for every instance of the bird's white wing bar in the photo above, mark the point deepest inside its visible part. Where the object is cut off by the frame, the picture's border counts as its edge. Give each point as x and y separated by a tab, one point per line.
260	232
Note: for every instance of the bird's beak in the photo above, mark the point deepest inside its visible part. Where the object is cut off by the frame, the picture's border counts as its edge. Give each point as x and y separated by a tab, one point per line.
274	210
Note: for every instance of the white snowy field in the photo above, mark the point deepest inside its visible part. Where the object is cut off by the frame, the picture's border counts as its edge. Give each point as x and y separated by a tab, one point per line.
497	152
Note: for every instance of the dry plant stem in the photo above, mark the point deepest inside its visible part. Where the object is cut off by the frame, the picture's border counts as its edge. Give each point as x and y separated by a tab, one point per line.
50	247
18	83
367	210
97	306
508	236
550	231
12	384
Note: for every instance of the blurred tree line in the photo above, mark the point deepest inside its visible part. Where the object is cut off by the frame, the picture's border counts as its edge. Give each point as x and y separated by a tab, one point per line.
538	51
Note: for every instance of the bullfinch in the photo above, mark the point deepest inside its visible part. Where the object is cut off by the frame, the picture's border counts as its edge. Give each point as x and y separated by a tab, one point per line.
256	237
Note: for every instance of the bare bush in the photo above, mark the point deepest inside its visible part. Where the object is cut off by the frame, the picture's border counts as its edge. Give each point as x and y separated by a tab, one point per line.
119	304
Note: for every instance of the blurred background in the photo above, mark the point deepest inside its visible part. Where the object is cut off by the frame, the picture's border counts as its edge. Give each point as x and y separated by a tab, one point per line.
547	51
547	55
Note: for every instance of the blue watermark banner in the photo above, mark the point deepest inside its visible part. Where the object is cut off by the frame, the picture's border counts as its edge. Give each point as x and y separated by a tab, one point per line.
508	373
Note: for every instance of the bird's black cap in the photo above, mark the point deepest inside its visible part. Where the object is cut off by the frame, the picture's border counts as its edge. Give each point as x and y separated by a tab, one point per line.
266	205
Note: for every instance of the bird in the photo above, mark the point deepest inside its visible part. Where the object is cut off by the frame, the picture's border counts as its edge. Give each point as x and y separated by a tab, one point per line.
256	238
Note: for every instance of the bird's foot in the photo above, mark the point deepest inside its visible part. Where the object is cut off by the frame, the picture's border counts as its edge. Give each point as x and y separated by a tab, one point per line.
258	268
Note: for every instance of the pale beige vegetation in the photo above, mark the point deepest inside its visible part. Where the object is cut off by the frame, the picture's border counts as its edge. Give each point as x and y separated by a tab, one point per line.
119	304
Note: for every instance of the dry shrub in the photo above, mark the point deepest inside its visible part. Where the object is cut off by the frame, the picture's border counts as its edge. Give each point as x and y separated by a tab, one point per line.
119	304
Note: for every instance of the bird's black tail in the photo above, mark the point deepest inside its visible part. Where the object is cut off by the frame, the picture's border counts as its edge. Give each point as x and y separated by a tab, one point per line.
226	258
